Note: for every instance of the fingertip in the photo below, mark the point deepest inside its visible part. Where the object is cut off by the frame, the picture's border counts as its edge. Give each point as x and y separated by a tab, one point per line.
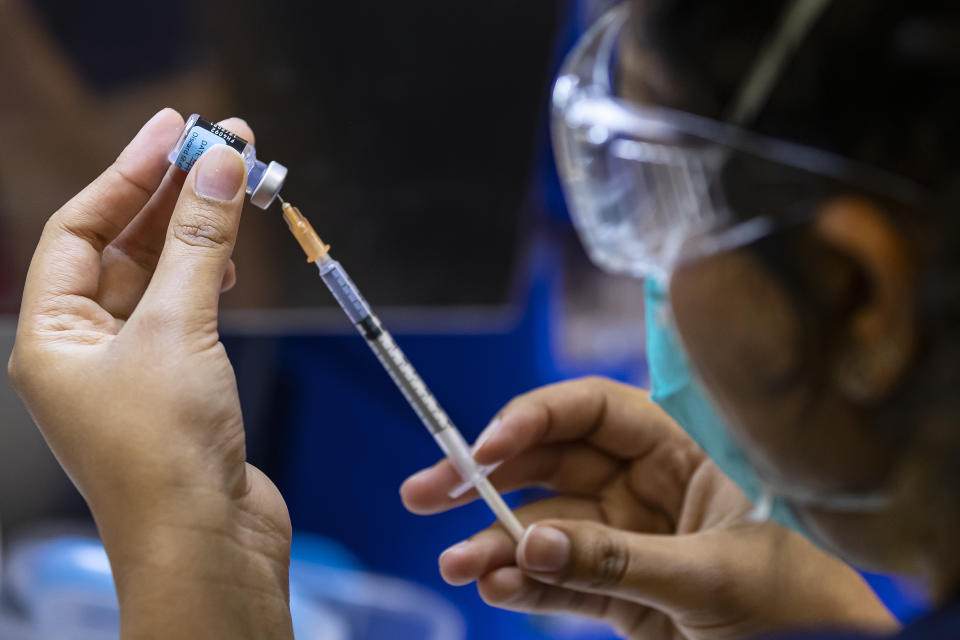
502	585
487	551
456	564
169	117
159	133
410	497
240	127
143	161
426	492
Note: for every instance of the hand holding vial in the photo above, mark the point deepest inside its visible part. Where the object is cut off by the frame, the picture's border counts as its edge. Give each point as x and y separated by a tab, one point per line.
118	359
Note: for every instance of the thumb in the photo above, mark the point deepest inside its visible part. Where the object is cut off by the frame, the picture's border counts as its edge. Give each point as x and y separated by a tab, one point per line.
666	572
200	239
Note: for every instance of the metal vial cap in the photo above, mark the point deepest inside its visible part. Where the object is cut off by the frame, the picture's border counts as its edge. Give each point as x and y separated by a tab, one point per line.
269	186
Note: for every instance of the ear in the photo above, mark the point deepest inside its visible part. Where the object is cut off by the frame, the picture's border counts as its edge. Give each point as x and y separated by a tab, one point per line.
881	335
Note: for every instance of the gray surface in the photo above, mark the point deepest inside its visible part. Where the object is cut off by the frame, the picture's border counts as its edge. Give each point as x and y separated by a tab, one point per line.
32	485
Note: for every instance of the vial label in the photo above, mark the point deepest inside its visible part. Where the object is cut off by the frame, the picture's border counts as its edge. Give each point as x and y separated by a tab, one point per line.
201	137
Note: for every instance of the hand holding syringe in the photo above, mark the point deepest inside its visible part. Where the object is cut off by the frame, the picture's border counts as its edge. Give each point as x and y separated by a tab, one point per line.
401	371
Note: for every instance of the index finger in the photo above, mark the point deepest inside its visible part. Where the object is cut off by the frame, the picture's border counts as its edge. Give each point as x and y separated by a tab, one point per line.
574	468
618	419
67	257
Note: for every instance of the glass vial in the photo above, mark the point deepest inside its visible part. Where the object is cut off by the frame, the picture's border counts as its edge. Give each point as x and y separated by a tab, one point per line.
198	135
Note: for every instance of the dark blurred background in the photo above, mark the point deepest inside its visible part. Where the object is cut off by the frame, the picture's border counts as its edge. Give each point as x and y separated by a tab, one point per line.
410	128
416	138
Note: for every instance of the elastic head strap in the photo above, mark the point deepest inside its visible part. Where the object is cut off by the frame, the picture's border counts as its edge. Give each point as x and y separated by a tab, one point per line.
794	27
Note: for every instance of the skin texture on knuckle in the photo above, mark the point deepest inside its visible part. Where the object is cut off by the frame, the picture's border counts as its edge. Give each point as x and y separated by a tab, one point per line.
609	560
200	234
599	560
205	227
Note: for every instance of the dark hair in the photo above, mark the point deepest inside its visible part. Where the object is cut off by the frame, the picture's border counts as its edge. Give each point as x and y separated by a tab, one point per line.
877	81
874	80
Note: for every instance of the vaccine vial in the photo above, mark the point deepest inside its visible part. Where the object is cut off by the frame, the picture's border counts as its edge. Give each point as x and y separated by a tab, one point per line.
198	135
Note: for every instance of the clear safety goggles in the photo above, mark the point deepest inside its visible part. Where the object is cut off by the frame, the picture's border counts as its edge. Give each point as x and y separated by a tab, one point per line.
649	188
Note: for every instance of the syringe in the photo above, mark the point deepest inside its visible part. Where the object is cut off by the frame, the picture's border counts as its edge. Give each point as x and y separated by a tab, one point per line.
406	378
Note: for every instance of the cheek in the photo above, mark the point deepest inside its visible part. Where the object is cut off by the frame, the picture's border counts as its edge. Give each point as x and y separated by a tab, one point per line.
737	326
743	339
745	342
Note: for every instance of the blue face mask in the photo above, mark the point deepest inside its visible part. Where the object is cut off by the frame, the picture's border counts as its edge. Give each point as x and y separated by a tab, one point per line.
678	393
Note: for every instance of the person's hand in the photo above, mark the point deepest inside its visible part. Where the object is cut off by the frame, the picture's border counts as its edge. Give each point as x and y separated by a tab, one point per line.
646	532
118	359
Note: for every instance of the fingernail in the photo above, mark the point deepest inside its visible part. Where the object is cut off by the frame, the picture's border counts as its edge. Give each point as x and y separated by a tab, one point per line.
544	549
219	173
486	433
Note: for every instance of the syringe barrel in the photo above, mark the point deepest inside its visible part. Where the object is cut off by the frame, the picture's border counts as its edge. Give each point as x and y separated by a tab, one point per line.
346	293
409	382
416	392
381	343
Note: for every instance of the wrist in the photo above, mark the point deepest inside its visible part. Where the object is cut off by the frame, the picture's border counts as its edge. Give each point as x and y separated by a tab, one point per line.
199	565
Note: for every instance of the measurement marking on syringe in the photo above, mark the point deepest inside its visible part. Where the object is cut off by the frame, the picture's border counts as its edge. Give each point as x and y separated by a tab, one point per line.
401	371
410	383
